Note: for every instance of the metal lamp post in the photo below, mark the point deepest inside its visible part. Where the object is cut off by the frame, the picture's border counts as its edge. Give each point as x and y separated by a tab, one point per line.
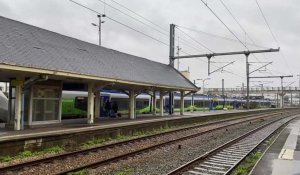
99	26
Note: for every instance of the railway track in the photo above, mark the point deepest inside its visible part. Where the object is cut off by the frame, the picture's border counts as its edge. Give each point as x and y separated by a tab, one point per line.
225	158
75	154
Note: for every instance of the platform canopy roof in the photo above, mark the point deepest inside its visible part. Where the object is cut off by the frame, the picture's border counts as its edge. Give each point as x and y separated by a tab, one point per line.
28	48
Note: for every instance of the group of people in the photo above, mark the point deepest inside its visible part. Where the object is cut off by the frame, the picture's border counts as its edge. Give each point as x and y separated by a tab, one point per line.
111	109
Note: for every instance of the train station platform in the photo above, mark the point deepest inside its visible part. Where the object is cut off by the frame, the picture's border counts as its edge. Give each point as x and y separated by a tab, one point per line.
283	156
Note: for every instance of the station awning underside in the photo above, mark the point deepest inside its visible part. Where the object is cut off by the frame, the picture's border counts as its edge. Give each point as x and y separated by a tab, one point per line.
27	51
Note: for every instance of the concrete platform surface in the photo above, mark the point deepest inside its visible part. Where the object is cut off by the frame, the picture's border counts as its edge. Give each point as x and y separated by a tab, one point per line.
80	125
283	156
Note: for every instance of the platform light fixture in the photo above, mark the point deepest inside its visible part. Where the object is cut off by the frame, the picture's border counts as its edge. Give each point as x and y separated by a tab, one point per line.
99	25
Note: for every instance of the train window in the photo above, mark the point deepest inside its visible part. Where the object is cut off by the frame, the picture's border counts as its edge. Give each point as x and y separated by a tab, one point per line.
81	103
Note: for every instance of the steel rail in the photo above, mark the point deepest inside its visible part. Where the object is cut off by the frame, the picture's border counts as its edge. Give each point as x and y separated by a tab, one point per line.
190	165
103	147
134	153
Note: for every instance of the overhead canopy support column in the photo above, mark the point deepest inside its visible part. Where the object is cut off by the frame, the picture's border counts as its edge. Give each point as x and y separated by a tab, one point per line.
132	104
181	102
18	106
161	103
90	110
154	102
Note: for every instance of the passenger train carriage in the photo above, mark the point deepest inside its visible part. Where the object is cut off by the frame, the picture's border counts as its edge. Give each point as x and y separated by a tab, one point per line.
75	102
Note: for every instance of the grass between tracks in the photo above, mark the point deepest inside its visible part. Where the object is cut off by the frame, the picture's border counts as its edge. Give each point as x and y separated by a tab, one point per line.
27	153
135	134
81	172
125	171
102	141
246	166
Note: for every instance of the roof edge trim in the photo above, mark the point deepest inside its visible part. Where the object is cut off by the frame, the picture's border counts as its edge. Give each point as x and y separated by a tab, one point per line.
84	76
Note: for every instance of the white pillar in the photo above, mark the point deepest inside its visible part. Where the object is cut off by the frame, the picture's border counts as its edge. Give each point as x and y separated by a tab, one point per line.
192	103
97	103
90	110
154	103
181	102
161	103
282	101
18	107
132	104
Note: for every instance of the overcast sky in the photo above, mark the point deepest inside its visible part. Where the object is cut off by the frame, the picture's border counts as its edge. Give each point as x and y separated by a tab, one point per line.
67	18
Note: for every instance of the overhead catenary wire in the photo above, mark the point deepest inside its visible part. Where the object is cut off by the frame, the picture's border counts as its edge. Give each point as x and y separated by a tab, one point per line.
224	24
201	44
204	47
189	44
160	30
220	37
125	25
213	35
207	49
227	27
205	61
267	23
140	21
140	15
241	27
273	35
235	19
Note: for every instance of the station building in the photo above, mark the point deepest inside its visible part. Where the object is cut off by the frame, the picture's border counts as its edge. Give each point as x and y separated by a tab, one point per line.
40	64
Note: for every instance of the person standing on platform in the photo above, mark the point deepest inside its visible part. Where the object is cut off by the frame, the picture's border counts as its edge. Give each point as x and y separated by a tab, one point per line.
115	109
107	108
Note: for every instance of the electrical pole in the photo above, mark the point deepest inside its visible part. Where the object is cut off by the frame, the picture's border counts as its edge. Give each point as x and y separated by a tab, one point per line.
171	63
247	75
262	94
246	53
299	91
177	53
193	97
282	99
277	100
281	77
291	98
223	95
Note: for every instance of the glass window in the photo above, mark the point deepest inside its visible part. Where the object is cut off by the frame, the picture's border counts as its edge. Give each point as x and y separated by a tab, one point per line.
40	92
44	110
45	103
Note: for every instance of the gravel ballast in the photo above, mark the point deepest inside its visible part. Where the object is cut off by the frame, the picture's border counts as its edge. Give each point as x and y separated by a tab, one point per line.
162	161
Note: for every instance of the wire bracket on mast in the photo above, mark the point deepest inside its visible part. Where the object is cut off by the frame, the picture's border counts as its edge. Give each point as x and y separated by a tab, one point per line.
220	68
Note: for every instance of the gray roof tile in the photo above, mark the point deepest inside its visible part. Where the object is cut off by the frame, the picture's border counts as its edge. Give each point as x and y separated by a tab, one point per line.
30	46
